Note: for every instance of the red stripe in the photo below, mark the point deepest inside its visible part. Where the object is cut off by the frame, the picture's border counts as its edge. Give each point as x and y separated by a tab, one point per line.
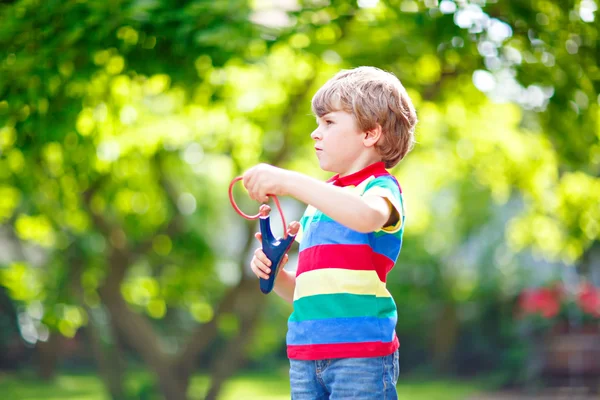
342	350
376	170
358	257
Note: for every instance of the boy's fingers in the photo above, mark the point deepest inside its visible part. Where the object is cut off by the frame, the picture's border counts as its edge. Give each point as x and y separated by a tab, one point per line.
293	228
258	236
259	255
284	260
260	269
264	259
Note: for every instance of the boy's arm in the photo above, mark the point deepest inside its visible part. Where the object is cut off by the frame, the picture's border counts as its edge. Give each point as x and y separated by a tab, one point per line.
362	214
285	284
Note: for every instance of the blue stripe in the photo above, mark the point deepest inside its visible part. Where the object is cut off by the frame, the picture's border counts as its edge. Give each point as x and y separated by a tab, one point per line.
341	330
389	245
331	232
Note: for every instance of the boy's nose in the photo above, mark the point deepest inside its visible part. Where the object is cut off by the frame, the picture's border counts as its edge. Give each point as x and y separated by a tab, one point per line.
316	135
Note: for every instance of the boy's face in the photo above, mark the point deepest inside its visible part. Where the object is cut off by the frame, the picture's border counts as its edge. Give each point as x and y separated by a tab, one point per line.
338	142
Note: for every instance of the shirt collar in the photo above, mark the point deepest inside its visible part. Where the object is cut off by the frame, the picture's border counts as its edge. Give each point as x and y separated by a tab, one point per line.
376	169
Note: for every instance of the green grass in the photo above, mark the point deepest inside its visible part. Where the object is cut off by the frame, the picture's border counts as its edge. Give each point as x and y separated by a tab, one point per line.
63	387
273	386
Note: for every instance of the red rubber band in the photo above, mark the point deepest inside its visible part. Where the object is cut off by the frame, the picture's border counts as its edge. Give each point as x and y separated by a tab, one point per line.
251	217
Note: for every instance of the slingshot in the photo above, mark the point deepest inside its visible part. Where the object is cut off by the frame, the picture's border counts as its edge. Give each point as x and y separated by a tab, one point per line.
273	248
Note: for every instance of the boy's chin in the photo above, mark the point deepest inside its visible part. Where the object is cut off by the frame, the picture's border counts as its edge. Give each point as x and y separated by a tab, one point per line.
329	166
326	167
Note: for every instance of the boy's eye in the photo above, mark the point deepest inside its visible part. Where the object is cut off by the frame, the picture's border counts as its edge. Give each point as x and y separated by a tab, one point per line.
328	121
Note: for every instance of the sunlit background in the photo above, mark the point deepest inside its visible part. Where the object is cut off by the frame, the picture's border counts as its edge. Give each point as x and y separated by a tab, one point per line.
124	271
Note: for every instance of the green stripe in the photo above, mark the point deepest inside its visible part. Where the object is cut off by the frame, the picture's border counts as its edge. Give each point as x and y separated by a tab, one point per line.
320	217
304	222
342	305
389	184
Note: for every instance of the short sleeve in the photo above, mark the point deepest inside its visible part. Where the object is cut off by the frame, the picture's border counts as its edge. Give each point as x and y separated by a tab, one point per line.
388	188
304	221
299	235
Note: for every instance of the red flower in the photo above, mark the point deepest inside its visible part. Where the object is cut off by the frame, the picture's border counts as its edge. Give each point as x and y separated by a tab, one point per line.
544	301
589	299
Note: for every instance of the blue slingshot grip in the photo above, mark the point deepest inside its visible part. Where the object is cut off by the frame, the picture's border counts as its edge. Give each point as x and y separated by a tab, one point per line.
274	249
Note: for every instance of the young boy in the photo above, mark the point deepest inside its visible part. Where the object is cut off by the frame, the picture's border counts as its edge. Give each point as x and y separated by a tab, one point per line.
341	338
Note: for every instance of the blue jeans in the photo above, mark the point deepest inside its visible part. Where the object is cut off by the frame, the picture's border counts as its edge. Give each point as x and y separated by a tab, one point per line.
345	378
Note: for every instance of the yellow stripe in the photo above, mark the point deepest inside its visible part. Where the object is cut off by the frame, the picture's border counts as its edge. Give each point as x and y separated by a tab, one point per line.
337	280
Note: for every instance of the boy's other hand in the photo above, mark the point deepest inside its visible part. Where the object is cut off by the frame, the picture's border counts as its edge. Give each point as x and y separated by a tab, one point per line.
264	179
260	264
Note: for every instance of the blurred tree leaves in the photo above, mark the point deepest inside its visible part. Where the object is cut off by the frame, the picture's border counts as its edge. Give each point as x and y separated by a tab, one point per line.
122	123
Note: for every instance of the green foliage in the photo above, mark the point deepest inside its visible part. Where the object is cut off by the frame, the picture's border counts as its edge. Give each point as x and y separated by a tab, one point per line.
122	123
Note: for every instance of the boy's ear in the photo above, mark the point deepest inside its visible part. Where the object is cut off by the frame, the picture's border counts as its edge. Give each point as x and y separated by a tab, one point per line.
372	136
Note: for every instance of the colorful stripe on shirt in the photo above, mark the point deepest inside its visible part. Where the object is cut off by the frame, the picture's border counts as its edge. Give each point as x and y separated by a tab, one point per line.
341	305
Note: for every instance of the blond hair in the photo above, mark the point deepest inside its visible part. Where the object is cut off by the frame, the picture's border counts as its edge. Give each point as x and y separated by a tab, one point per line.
374	97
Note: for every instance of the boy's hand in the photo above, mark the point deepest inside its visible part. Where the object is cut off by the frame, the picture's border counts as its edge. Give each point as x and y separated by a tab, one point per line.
264	179
260	264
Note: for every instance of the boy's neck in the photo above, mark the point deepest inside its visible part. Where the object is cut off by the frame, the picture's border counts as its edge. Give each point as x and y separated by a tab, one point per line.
359	165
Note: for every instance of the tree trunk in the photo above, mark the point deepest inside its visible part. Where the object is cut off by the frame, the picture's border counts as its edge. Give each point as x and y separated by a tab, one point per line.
248	309
137	331
205	334
109	361
140	336
47	353
445	336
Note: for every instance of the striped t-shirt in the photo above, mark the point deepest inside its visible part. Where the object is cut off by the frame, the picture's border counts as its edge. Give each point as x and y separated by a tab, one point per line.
341	305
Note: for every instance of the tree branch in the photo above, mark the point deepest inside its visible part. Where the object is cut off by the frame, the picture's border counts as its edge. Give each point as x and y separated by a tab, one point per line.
99	221
176	225
248	308
203	335
137	330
